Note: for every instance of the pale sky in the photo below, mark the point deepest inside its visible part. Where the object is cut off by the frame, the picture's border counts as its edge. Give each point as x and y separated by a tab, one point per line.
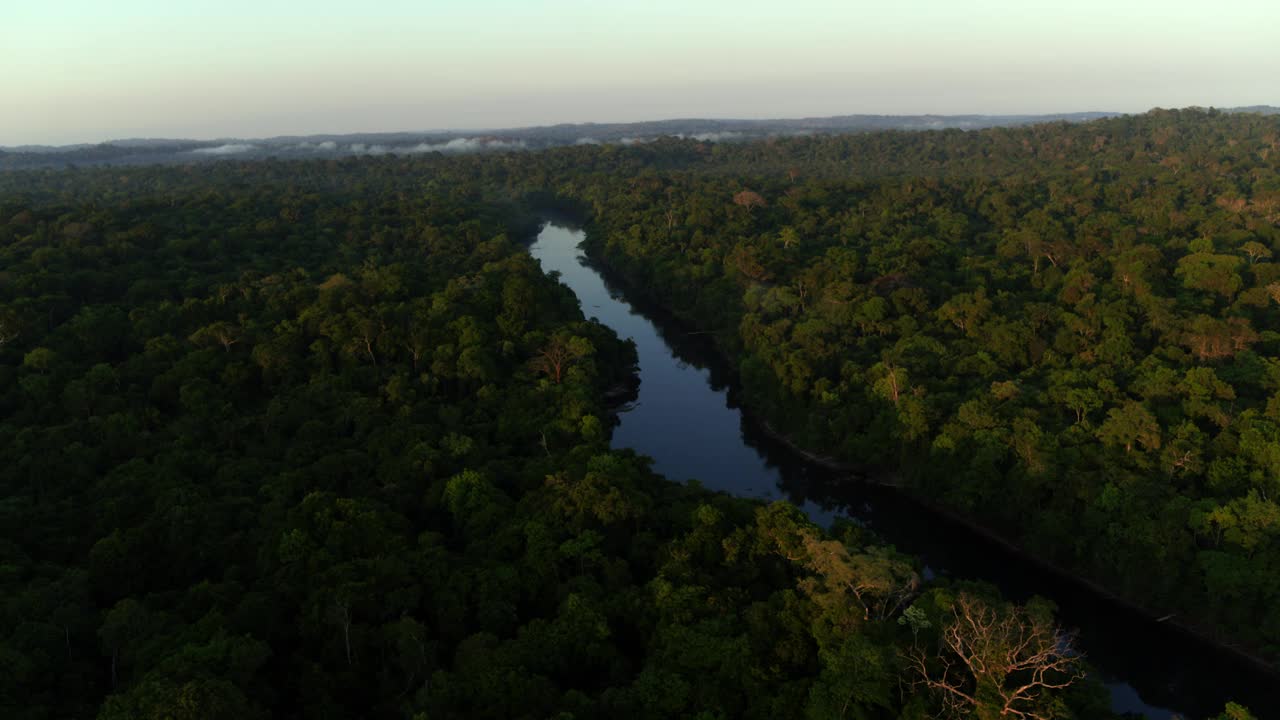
92	70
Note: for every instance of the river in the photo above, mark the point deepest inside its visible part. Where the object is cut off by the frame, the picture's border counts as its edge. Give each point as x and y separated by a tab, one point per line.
686	418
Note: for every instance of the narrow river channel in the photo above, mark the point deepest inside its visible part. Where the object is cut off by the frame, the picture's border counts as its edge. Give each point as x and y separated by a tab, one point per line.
686	418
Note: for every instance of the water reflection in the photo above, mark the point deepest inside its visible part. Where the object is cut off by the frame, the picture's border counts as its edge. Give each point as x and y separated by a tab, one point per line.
686	417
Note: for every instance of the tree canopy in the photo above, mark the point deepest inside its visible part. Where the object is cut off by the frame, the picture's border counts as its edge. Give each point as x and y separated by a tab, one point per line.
320	439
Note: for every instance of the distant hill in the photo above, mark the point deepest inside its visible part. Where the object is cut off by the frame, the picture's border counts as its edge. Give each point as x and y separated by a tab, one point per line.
141	151
1260	109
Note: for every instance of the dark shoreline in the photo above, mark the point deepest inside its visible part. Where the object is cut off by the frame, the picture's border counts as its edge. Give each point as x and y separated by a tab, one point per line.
1193	632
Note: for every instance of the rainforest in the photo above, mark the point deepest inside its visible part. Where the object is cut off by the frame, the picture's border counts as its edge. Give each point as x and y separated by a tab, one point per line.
321	438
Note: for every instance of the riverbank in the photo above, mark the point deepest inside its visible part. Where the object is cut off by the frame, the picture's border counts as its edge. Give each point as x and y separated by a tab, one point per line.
1189	631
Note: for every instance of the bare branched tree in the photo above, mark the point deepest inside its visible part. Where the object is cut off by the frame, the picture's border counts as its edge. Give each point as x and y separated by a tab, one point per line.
994	663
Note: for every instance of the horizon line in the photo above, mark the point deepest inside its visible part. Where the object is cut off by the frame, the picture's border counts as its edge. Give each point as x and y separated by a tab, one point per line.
458	130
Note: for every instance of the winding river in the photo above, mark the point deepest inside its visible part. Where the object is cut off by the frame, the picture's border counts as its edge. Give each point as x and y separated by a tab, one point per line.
687	419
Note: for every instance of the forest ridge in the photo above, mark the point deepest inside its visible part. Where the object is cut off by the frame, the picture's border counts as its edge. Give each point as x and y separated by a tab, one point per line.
319	438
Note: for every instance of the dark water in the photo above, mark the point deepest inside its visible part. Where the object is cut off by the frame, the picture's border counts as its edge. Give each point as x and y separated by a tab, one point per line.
686	418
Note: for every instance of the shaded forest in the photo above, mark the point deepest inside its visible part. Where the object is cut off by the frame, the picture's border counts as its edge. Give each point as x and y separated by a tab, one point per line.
320	439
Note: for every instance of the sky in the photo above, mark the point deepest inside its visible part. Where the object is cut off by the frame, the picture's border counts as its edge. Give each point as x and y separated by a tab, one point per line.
93	70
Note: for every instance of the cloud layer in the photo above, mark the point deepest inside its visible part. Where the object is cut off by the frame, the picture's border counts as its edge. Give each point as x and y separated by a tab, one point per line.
229	149
454	146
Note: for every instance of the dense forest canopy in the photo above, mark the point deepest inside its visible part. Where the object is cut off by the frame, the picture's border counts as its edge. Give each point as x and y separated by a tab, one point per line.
1067	332
320	439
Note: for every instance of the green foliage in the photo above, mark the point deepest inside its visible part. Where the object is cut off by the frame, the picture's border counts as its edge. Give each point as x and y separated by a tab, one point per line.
320	439
1061	331
1235	712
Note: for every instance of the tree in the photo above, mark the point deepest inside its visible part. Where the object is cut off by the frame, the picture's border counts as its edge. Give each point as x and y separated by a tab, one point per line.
889	382
197	699
876	582
1213	339
1081	401
995	662
855	681
219	333
1129	424
1250	522
122	628
475	504
1211	273
749	200
415	331
1256	251
40	359
966	310
1235	712
604	494
559	354
788	237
